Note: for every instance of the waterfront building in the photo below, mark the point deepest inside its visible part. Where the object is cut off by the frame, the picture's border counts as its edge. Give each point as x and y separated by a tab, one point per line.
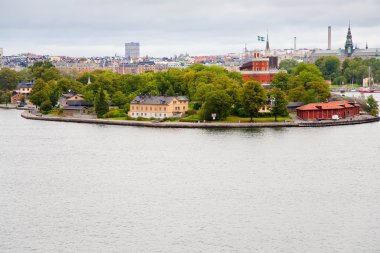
318	111
24	88
132	50
158	106
74	111
72	99
261	69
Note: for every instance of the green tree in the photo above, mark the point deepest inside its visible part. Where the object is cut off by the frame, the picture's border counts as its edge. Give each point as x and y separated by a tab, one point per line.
281	81
8	79
46	106
372	106
253	97
329	66
40	92
217	102
288	65
45	70
6	97
101	104
119	99
340	80
280	104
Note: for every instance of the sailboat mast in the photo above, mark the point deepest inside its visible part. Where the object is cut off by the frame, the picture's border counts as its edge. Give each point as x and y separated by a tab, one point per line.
369	77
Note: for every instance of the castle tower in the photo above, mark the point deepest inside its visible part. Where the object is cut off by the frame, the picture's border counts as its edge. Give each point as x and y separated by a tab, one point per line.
349	46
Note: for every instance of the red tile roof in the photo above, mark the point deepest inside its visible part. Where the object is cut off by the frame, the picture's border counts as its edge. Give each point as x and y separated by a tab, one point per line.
327	106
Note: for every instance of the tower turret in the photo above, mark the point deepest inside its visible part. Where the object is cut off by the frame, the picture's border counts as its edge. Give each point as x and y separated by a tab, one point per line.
349	46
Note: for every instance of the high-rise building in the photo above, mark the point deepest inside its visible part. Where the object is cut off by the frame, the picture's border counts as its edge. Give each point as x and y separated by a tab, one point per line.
132	50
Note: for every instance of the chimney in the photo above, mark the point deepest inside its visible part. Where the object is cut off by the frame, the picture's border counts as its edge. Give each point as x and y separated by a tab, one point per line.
329	38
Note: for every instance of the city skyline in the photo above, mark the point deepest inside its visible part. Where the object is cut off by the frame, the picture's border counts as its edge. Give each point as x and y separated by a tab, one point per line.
94	28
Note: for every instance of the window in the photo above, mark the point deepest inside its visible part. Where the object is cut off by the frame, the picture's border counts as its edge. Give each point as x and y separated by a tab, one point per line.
164	108
184	107
133	113
150	108
146	108
159	108
155	108
164	115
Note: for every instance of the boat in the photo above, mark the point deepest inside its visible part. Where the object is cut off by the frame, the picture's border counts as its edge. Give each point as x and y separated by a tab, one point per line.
366	90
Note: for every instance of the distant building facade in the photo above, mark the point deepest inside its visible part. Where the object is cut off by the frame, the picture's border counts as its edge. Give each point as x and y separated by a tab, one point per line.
158	106
1	57
348	51
132	50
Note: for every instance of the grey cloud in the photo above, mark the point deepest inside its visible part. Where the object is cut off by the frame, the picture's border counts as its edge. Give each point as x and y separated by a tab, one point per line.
165	27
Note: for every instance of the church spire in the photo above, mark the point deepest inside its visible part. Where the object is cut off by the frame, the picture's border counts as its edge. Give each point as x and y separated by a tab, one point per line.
267	49
349	46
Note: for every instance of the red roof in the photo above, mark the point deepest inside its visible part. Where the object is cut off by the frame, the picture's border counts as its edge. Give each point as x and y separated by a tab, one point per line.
327	106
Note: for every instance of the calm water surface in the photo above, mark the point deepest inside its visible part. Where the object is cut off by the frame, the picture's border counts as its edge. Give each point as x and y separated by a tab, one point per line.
68	187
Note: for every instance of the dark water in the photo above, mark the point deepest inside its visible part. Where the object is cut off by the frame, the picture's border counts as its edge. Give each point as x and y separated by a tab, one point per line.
86	188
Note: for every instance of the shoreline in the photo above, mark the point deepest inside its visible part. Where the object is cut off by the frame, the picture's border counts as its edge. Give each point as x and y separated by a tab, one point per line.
360	120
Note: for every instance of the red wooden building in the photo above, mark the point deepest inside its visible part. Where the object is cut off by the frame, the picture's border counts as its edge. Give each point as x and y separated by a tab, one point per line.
261	69
326	110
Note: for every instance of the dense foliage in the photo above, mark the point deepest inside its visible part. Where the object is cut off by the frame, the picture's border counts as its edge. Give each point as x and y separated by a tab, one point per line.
352	70
372	106
210	89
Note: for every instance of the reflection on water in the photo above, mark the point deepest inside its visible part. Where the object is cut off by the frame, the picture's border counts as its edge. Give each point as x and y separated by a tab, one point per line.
90	188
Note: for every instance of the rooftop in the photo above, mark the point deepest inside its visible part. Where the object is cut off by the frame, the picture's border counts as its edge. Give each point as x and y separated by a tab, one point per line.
156	100
327	105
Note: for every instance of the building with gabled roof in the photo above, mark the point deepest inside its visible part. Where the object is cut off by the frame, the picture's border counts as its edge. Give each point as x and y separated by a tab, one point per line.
158	106
326	110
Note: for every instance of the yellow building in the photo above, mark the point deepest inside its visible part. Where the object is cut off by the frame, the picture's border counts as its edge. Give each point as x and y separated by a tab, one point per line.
24	88
158	106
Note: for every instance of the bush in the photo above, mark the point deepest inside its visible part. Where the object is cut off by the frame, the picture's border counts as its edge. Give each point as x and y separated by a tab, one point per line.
115	114
191	112
197	105
140	119
126	107
242	113
264	115
46	106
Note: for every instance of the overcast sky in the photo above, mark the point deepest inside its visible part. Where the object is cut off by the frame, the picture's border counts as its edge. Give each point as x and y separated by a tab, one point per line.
168	27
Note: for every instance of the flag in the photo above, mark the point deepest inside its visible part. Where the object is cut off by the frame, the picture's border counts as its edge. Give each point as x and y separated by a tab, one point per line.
259	38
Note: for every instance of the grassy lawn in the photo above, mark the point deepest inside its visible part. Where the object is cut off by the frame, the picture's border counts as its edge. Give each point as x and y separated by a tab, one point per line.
191	118
336	86
55	114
